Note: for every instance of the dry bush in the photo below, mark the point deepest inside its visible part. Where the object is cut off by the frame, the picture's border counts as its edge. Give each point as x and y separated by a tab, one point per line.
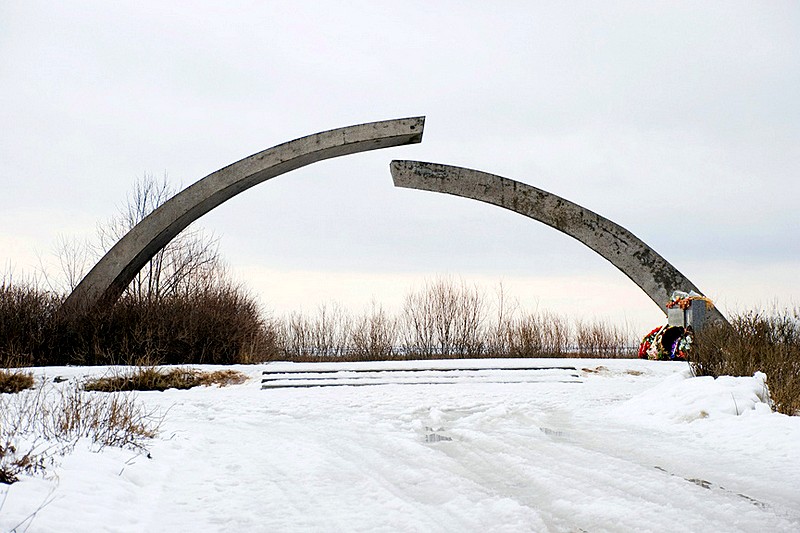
540	334
159	379
374	336
525	337
13	381
26	313
15	462
295	337
107	420
526	334
222	325
330	332
447	319
219	325
755	341
38	425
324	335
498	339
603	340
444	319
556	334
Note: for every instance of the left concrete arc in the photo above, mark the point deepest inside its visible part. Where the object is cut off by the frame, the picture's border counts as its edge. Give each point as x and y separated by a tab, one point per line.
107	280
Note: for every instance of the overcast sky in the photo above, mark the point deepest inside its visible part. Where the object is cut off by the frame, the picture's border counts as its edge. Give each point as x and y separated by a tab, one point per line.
677	120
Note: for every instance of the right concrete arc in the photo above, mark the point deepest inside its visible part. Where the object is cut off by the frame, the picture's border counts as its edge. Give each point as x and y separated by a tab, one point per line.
643	265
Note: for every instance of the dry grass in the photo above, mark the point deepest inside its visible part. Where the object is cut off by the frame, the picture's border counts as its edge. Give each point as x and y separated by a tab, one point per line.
223	378
159	379
13	381
37	426
757	341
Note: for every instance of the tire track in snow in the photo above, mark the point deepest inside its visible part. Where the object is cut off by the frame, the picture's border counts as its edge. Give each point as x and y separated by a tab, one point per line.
545	471
519	459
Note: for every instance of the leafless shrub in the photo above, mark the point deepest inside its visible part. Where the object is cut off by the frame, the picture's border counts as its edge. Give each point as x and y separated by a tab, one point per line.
374	336
557	334
444	319
448	319
526	337
38	425
538	334
115	420
295	337
221	325
15	462
419	326
330	332
498	339
26	313
757	341
601	339
324	335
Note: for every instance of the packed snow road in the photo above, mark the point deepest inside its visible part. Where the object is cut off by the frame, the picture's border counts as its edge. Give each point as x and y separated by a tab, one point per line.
628	446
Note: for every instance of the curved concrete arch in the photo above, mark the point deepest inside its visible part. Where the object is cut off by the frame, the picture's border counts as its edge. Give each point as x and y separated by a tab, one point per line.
646	268
105	283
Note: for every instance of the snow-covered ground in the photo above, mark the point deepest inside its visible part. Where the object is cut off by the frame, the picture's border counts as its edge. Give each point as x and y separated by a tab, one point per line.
628	445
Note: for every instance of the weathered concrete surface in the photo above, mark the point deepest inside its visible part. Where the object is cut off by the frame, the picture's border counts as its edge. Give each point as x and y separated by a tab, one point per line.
105	283
651	272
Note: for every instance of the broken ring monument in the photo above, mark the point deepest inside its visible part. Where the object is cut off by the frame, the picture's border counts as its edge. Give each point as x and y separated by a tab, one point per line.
107	280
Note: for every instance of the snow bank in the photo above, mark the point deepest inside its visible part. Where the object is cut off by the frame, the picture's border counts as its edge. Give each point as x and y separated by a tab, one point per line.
684	398
467	456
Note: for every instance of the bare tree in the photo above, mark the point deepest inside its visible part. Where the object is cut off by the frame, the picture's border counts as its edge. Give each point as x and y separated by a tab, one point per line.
188	264
74	260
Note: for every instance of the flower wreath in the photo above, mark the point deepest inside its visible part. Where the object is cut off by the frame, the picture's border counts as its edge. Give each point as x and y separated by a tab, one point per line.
684	300
666	343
